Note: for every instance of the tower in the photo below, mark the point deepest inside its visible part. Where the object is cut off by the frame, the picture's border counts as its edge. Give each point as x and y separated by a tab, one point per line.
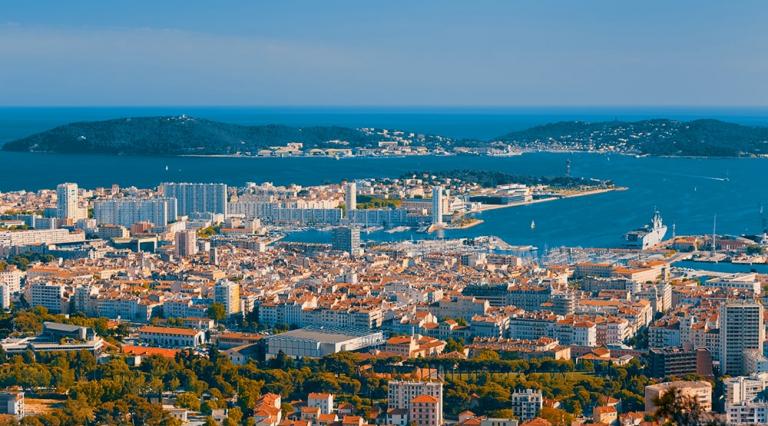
346	238
66	201
350	196
228	294
437	205
186	243
741	329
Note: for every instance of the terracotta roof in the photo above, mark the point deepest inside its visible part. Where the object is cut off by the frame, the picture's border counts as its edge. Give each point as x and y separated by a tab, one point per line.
149	351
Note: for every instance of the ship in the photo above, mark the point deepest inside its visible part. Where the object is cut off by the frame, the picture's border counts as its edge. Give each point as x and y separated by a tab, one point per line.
647	236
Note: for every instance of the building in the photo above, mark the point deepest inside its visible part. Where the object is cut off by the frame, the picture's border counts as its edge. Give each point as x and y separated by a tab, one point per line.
346	238
317	343
414	346
126	212
673	361
12	402
186	243
171	337
194	198
11	278
700	390
323	401
227	293
742	405
425	411
401	395
526	404
437	205
56	337
350	196
741	329
49	296
67	202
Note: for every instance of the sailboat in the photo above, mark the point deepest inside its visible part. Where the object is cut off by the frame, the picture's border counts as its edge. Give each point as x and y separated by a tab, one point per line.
533	225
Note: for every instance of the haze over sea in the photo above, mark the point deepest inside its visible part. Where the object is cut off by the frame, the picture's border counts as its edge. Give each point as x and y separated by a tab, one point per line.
687	191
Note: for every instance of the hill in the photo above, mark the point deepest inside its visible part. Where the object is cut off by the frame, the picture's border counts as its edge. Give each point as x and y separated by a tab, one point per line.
652	137
183	135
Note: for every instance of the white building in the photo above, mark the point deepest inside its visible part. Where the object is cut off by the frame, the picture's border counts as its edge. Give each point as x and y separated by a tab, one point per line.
11	277
197	197
526	404
741	405
316	343
350	196
67	202
49	296
437	205
741	329
323	401
126	212
171	337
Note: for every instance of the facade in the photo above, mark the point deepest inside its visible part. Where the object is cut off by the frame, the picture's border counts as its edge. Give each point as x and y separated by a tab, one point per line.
323	401
186	243
741	329
350	196
437	205
67	203
194	198
171	337
11	278
12	402
527	404
228	294
700	390
48	296
346	238
401	394
425	411
317	343
126	212
666	362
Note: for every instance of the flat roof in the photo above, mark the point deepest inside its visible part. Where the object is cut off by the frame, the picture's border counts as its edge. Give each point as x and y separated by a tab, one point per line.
320	335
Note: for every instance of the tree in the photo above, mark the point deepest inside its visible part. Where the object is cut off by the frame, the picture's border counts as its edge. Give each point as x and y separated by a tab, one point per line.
217	312
188	400
556	416
675	408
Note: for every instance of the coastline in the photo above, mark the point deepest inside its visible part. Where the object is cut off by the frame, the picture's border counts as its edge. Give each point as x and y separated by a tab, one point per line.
488	207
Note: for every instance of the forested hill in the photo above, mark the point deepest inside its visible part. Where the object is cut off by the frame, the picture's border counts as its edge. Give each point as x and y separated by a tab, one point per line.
653	137
180	135
183	135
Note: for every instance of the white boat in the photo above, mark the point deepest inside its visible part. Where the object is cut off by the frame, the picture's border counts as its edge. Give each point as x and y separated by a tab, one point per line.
533	225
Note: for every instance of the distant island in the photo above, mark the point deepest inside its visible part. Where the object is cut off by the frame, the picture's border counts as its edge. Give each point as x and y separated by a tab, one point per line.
184	135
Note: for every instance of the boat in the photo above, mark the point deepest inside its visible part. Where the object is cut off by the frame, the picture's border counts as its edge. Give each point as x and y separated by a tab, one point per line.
533	225
647	236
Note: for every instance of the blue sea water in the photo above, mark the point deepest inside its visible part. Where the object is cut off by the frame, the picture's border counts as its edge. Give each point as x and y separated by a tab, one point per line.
688	191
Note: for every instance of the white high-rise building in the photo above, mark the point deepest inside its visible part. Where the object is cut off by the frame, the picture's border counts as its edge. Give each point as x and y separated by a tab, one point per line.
526	404
400	394
741	328
126	212
350	196
194	198
437	205
67	206
186	243
228	294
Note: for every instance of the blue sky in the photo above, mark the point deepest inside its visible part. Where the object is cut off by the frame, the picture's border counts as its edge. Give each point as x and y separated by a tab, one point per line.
384	53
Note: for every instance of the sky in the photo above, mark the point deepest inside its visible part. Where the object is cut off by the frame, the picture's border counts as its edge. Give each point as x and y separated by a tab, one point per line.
384	53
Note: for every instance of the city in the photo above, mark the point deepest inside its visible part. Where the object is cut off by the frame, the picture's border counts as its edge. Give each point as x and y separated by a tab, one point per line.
199	271
401	213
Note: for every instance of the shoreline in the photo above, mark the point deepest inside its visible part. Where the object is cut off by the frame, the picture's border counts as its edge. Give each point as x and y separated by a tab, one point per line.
489	207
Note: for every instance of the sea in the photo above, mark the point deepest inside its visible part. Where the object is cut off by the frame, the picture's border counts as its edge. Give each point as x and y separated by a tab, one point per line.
693	194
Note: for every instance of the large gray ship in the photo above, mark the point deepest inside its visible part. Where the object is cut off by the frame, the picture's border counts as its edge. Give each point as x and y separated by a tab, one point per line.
647	236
